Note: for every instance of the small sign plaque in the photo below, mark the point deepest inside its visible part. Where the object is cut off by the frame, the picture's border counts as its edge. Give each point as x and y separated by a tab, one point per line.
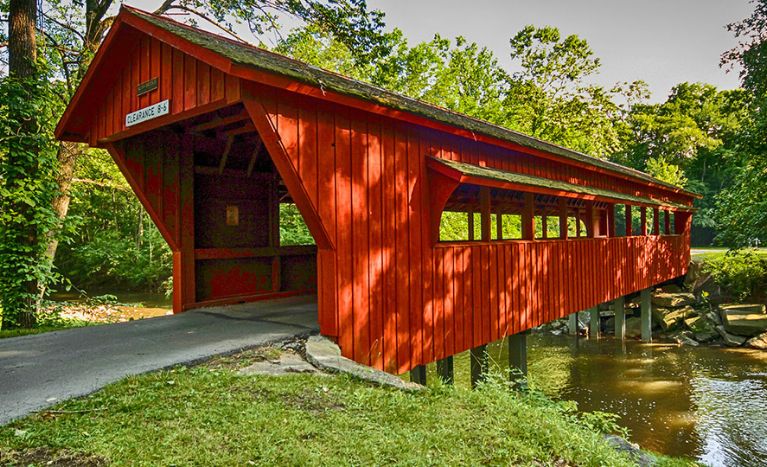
147	113
232	215
146	86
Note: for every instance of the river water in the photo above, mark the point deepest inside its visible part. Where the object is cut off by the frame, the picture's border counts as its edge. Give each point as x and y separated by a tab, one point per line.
705	403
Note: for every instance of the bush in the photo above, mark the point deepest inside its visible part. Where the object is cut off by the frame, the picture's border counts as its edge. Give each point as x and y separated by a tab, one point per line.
741	274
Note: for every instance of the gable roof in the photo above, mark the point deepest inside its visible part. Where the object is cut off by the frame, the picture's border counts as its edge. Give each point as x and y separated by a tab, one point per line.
251	57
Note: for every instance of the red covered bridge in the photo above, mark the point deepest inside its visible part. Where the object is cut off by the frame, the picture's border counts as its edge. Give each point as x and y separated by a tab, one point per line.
215	135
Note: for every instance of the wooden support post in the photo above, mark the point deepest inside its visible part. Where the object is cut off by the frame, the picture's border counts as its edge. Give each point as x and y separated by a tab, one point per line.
418	375
667	222
563	218
643	221
184	275
471	225
479	364
572	324
594	324
445	370
528	217
518	355
619	306
544	226
611	220
682	222
225	155
499	225
646	315
629	228
484	202
589	221
656	221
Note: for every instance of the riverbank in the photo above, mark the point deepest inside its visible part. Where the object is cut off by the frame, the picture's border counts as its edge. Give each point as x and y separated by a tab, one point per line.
214	414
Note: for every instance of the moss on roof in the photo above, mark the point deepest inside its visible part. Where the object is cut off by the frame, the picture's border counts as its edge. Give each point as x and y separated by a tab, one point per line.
529	180
264	60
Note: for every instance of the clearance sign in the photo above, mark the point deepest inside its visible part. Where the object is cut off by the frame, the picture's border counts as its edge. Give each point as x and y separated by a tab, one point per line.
147	113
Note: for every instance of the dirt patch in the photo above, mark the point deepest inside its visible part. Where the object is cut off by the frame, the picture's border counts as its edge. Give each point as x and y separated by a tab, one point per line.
244	358
46	456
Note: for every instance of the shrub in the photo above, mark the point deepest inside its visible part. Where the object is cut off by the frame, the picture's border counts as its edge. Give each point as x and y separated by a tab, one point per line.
740	273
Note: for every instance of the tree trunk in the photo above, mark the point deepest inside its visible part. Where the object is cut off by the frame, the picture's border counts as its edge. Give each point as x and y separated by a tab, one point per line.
22	44
22	58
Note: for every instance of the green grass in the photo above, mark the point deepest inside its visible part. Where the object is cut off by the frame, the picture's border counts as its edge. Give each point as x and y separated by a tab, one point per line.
57	326
209	415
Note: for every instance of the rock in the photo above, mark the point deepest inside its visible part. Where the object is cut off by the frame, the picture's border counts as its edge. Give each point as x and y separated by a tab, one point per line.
758	342
326	355
744	320
642	458
670	288
705	337
287	363
633	327
730	340
684	340
710	289
668	317
695	275
673	300
713	317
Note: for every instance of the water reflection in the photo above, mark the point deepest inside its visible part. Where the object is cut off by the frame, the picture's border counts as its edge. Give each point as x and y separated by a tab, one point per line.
705	403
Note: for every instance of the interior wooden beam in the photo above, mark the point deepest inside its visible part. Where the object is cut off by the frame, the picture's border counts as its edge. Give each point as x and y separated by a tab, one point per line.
218	122
225	155
254	157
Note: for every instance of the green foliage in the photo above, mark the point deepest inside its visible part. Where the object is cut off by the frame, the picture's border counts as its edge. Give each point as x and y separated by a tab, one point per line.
109	240
740	273
669	173
741	207
27	186
211	416
293	229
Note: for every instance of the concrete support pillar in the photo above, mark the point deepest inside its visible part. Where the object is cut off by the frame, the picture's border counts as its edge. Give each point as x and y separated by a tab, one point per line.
445	370
594	326
619	305
479	364
518	353
646	316
418	375
572	324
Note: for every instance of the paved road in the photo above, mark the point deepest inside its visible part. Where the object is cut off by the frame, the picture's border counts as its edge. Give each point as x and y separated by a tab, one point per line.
40	370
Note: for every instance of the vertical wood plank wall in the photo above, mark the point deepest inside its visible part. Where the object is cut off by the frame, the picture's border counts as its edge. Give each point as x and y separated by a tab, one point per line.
393	298
188	83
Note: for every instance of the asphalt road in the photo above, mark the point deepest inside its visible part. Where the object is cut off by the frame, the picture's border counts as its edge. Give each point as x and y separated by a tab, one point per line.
41	370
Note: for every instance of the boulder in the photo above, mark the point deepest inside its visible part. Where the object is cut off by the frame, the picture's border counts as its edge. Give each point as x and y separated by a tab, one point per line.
633	327
744	320
706	336
730	340
695	275
673	300
758	342
669	317
713	317
670	288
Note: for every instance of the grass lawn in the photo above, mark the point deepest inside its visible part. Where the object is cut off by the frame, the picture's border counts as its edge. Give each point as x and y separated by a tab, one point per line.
58	326
209	415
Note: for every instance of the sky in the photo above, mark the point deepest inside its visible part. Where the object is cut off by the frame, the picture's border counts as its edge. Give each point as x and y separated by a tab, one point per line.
662	42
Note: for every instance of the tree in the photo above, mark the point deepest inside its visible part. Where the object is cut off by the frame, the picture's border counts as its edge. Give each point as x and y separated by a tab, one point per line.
742	207
25	170
551	99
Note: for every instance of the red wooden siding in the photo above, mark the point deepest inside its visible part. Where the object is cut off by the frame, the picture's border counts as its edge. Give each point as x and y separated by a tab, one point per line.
402	301
190	84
